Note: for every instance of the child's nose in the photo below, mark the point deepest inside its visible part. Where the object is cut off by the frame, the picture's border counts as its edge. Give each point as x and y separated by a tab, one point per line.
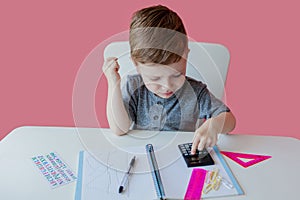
166	84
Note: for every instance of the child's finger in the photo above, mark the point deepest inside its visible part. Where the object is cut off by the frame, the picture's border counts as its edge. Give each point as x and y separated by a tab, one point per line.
201	144
117	67
111	62
111	58
195	144
214	141
209	143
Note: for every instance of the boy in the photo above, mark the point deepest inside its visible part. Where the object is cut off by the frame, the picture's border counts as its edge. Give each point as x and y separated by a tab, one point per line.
160	96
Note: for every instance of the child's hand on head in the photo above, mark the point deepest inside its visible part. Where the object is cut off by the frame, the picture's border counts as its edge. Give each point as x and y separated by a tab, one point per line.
111	68
205	136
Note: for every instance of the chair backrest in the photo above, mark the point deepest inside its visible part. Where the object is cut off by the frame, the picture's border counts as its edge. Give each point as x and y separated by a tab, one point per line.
207	62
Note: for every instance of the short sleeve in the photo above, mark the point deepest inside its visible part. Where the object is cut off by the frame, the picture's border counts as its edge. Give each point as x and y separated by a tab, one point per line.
209	105
129	95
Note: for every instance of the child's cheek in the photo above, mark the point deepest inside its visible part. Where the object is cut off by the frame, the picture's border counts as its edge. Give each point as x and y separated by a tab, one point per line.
152	87
179	83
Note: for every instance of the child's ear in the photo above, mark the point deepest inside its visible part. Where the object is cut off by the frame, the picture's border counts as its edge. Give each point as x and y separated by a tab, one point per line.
136	65
187	52
133	61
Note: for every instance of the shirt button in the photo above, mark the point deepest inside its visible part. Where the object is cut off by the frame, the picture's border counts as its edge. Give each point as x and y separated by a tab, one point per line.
159	103
155	117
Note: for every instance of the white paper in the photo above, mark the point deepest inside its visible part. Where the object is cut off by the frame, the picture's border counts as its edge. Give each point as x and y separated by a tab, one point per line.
102	180
54	169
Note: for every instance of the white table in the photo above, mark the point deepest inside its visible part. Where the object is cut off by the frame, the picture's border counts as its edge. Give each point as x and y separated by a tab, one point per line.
275	178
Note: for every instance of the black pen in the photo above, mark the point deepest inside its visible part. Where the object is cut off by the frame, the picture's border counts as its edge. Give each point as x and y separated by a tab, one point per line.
126	176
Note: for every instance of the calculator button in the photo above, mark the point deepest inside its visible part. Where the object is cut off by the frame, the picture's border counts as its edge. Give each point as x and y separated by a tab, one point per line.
201	158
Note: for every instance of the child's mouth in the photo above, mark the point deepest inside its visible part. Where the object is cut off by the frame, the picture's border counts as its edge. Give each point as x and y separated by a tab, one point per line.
167	94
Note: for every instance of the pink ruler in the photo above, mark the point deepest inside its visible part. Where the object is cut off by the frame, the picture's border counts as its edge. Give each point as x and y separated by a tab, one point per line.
194	189
236	157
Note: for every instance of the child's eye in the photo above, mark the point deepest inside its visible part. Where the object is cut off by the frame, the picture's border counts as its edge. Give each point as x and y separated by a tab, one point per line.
177	75
154	79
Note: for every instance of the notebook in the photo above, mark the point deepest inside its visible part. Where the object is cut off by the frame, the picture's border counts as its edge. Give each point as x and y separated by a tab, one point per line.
100	175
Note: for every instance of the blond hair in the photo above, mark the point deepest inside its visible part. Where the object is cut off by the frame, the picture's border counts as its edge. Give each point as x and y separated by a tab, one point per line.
157	35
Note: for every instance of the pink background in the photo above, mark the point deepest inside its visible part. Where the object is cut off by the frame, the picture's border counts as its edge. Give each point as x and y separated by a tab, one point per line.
43	44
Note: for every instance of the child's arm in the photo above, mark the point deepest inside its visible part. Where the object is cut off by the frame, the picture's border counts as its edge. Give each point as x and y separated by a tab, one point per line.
117	116
207	134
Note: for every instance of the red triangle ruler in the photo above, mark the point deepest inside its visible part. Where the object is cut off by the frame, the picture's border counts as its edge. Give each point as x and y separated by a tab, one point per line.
254	158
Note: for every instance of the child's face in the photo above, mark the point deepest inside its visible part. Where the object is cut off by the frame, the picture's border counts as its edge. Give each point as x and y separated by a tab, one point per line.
163	80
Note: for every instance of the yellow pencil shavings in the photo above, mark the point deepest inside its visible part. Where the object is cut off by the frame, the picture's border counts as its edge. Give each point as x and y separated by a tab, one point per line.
214	174
208	188
207	179
217	183
212	181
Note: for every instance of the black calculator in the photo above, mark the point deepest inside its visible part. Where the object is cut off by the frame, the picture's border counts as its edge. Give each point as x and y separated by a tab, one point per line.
200	158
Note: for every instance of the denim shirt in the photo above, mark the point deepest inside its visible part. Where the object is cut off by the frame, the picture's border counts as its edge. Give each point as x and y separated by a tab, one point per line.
185	110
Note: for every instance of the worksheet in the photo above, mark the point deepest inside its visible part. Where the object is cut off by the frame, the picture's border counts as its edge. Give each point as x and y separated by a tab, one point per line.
55	171
100	175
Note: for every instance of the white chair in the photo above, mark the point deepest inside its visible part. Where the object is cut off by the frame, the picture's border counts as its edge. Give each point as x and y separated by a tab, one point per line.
207	62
